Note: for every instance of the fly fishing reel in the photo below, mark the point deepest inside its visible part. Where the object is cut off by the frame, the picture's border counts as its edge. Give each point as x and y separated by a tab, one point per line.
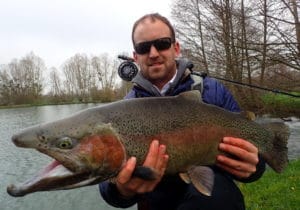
127	69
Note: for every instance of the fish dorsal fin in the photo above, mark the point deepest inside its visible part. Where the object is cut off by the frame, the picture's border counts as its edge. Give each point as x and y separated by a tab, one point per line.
193	95
202	177
248	115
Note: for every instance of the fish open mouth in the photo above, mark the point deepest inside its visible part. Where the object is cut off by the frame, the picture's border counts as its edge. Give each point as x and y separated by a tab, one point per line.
53	177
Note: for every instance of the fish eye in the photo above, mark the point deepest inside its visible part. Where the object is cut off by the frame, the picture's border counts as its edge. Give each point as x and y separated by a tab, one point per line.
65	143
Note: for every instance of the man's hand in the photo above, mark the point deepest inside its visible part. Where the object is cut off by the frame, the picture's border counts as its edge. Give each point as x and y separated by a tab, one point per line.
245	153
156	159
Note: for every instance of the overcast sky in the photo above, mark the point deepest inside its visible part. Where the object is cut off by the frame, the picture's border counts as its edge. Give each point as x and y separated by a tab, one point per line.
55	30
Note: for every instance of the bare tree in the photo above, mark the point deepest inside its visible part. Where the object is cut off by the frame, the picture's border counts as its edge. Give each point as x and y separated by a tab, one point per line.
283	43
22	79
6	86
55	83
239	38
87	77
247	41
78	75
293	9
191	19
106	69
211	31
294	12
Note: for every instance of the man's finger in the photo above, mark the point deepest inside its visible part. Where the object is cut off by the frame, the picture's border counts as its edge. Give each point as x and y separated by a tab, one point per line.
238	173
235	165
151	158
162	158
125	174
242	149
241	143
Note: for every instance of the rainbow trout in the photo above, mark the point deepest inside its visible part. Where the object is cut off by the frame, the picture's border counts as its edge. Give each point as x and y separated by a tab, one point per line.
93	145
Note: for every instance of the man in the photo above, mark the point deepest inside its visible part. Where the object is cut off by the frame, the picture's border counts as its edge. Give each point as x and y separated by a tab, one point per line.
156	51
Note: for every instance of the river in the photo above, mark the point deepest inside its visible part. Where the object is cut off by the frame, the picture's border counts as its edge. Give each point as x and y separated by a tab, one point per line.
17	164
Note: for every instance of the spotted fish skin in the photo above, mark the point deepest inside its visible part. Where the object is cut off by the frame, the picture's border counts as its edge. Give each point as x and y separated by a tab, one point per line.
94	144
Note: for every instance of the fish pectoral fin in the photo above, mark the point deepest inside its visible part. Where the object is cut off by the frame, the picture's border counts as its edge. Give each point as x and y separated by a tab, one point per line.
185	177
145	173
202	177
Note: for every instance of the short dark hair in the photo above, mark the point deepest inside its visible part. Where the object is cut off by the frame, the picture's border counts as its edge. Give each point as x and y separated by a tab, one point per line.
153	17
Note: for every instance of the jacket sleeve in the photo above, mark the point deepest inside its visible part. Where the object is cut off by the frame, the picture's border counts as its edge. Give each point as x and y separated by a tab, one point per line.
131	94
217	94
111	195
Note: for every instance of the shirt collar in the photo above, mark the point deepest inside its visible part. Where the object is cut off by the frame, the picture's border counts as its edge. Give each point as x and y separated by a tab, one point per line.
167	85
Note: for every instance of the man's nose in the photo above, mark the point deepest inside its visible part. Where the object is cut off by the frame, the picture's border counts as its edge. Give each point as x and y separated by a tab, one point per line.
153	52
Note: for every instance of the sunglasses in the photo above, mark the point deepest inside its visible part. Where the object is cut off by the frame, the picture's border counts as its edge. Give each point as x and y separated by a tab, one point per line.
160	44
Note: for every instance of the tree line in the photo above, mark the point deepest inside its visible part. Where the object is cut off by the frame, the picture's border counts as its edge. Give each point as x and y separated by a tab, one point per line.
255	42
80	79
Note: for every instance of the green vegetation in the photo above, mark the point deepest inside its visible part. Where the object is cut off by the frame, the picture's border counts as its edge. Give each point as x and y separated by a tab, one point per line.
42	100
278	103
274	191
282	100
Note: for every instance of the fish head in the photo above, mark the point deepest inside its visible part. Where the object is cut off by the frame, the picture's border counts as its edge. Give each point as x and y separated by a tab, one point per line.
83	153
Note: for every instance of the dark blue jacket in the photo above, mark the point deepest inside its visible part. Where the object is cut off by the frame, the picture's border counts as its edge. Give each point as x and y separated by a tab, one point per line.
171	192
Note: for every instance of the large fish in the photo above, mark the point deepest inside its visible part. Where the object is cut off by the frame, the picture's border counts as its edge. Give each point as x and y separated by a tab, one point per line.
93	145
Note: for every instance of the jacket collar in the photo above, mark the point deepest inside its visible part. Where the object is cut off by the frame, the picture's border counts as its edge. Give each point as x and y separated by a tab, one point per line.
182	66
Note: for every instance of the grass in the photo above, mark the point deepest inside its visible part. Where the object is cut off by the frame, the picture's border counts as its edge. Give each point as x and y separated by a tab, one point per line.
274	191
278	103
280	99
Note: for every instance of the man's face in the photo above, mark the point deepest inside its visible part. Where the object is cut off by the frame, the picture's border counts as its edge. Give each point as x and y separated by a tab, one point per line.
158	66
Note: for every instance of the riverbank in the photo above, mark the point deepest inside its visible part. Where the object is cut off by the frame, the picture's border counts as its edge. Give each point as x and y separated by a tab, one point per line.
47	104
274	191
282	105
275	105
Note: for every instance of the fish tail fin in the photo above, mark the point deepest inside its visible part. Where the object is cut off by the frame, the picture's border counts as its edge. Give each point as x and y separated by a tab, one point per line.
277	158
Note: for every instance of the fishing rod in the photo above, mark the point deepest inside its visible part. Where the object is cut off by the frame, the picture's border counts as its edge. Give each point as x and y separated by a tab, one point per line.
257	87
128	70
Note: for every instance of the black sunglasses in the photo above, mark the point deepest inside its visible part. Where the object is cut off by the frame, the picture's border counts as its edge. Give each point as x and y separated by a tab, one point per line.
160	44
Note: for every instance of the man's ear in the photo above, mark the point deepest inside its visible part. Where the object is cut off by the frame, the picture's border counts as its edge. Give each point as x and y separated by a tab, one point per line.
177	48
134	56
